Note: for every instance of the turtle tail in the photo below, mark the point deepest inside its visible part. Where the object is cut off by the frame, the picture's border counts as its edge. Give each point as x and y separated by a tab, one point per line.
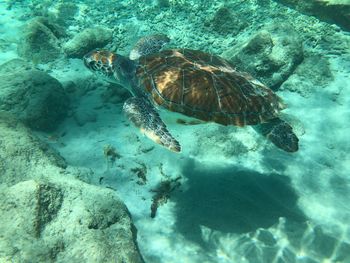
280	133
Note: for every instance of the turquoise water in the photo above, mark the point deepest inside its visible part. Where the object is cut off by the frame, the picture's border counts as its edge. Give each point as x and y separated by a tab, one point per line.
80	182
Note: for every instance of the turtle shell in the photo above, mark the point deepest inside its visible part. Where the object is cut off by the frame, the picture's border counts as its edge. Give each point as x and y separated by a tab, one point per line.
206	87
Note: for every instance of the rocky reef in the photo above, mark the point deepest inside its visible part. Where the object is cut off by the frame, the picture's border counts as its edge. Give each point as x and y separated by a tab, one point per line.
49	215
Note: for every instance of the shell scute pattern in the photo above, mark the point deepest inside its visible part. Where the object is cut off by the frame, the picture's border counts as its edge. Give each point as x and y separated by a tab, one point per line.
206	87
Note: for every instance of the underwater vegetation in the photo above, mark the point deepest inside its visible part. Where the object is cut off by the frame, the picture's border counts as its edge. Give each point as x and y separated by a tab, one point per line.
78	181
162	193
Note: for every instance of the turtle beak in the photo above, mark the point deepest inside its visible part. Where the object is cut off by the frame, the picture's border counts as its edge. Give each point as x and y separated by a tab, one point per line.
88	61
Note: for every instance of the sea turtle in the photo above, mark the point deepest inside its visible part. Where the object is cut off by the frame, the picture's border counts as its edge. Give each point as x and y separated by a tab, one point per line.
192	83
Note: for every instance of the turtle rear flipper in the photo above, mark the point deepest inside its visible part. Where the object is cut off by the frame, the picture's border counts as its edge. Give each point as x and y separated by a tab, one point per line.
148	45
280	133
144	116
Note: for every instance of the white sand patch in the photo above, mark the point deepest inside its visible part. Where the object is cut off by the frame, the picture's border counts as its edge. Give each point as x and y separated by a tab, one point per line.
321	171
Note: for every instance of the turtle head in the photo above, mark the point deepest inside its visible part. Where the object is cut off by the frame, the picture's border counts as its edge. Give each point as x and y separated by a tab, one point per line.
108	64
101	62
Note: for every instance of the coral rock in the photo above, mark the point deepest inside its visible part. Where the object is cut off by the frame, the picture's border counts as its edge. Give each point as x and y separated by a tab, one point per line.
86	41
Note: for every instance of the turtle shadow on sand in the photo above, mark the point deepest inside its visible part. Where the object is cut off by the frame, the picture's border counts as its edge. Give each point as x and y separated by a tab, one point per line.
273	159
231	200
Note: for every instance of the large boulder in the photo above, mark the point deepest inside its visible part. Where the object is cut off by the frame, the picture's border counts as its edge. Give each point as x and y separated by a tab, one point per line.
48	215
32	96
86	41
334	11
40	41
271	55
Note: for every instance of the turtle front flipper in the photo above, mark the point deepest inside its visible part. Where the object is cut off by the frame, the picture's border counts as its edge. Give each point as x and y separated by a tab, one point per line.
148	45
147	119
280	133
